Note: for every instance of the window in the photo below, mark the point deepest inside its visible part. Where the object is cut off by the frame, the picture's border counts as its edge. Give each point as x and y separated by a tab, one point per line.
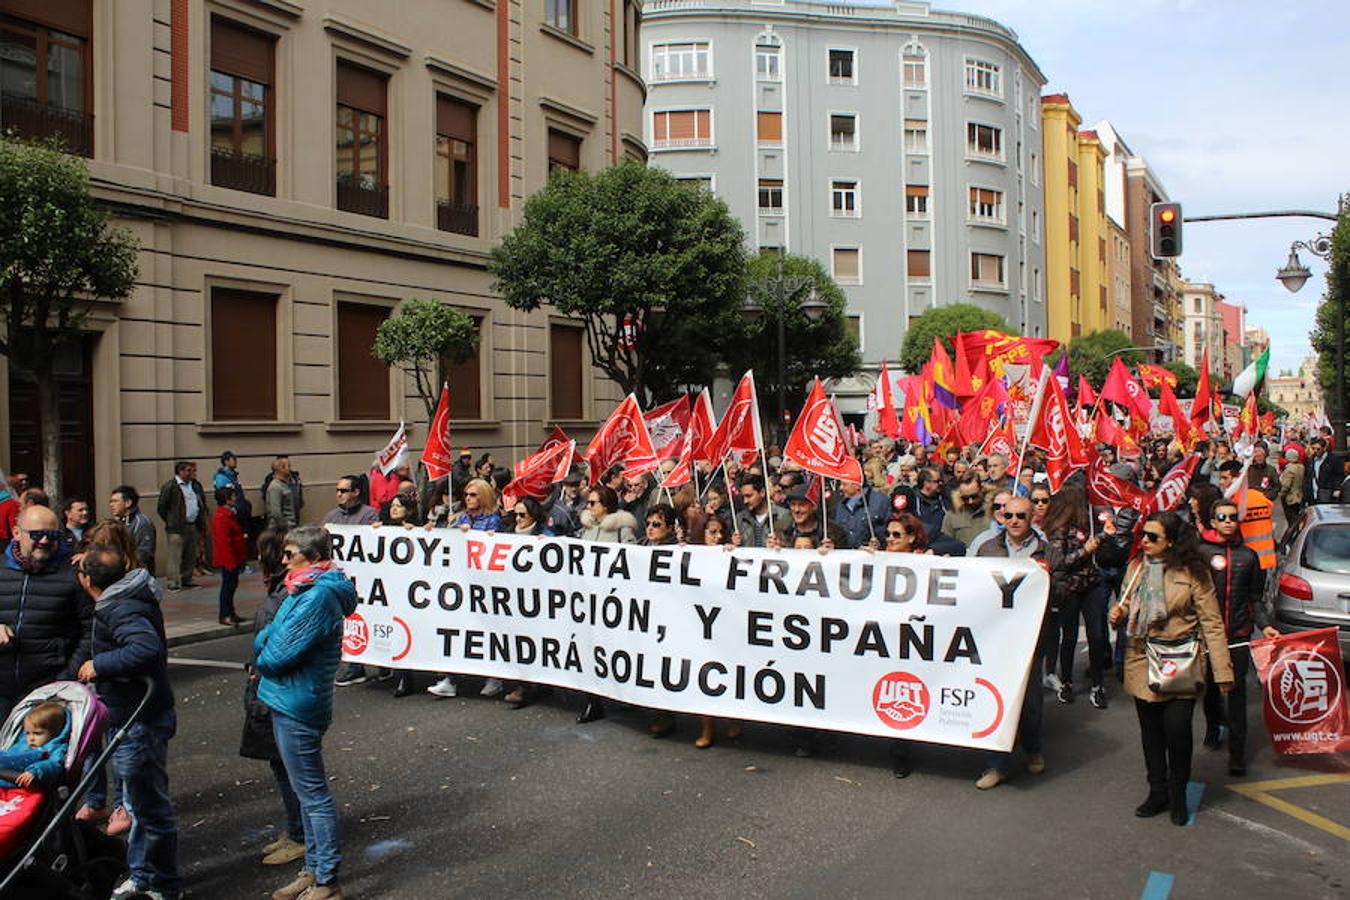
845	265
630	34
679	128
565	369
46	73
1073	228
983	78
844	199
466	381
914	68
768	63
844	131
1073	174
842	67
770	196
1036	226
1033	111
1101	250
984	141
699	182
674	62
919	264
916	136
362	142
986	269
363	381
916	201
985	205
243	320
243	154
854	325
1199	307
564	151
769	127
1036	284
1035	168
456	166
1075	283
561	14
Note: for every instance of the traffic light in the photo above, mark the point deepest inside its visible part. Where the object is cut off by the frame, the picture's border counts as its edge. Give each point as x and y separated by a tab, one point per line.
1166	229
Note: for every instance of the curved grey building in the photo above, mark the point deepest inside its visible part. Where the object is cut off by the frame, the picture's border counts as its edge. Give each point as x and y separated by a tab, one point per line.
899	145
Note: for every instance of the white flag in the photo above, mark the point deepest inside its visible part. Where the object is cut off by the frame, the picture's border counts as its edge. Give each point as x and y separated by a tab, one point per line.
394	453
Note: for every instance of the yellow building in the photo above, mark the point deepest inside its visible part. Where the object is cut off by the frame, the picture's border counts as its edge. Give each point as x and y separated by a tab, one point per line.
1076	230
1118	275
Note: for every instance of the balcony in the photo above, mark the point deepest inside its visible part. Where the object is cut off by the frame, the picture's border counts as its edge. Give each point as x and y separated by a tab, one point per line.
457	218
243	171
355	195
37	121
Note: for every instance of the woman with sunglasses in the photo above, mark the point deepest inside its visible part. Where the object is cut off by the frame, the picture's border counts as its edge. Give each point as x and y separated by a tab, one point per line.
1040	502
1169	595
526	519
603	521
1073	591
905	534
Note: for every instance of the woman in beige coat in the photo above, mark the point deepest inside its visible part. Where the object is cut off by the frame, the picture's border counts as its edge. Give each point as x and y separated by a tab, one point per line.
1291	487
1170	595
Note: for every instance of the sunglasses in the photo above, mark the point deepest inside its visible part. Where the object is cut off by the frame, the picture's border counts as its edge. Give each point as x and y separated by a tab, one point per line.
656	523
288	554
1019	516
968	498
897	535
1152	536
44	534
346	490
470	493
520	512
1225	517
998	506
594	503
1041	501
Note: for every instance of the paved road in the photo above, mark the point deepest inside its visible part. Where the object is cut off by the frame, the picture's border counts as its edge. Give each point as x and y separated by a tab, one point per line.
467	798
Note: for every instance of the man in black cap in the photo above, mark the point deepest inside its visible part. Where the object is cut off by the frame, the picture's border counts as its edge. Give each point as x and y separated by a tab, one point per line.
564	514
461	473
806	523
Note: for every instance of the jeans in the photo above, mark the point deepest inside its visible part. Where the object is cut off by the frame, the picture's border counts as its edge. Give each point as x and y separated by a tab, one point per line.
97	795
295	825
301	748
1165	732
1029	727
1232	710
141	763
229	583
1092	607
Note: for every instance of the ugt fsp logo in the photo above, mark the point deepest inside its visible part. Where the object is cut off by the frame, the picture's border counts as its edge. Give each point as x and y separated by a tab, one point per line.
355	635
901	700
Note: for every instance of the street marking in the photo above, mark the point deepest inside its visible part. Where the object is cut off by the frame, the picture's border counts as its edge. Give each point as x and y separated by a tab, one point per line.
1158	886
1194	791
205	663
1260	792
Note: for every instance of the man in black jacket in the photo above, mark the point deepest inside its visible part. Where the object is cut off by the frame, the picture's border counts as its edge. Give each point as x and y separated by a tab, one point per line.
182	507
44	616
1239	584
1324	473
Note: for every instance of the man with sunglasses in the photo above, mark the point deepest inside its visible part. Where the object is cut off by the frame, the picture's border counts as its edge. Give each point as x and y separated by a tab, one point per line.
1258	526
997	503
1239	584
44	616
968	516
350	510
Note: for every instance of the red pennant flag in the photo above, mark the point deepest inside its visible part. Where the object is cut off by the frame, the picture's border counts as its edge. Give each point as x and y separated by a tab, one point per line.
437	455
817	441
982	410
1181	423
1154	376
1304	688
1054	433
1106	489
535	475
1204	395
695	443
1121	388
888	421
739	430
1086	396
622	440
666	424
1002	440
1172	489
556	436
962	382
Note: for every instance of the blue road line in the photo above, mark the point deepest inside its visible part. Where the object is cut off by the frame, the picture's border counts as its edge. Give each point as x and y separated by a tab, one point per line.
1194	791
1158	886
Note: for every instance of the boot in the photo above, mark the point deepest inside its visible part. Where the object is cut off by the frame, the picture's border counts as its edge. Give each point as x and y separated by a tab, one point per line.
708	734
595	709
1176	800
404	685
1237	763
1156	802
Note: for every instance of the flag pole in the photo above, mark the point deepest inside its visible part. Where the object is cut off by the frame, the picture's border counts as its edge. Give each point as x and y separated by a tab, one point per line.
824	520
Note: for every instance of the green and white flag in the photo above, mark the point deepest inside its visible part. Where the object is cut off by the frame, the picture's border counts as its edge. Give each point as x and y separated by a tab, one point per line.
1253	375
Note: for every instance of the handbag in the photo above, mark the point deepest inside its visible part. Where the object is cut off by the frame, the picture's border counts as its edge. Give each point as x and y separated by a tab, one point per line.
1175	665
256	740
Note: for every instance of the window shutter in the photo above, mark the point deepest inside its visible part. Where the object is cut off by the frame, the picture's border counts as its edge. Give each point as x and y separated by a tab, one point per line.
916	190
457	119
361	88
769	127
564	149
363	381
919	263
846	264
240	51
564	363
466	383
243	355
74	17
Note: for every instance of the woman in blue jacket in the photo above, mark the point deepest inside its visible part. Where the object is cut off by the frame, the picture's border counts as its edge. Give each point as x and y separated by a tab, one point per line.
297	658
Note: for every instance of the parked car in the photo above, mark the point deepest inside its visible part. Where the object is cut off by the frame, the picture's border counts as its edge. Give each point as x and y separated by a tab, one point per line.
1310	586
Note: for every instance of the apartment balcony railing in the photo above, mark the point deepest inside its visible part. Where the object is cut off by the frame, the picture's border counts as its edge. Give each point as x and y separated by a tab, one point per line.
36	121
243	171
355	195
458	218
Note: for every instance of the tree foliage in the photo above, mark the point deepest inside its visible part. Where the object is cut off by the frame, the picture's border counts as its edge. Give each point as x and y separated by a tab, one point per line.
1331	315
58	251
424	334
631	241
1187	378
944	322
1091	355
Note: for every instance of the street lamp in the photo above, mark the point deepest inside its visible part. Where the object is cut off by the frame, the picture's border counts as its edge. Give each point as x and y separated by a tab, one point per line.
782	285
1293	276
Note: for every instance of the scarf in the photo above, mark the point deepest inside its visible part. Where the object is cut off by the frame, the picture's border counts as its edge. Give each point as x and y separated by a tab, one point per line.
298	579
27	563
1148	603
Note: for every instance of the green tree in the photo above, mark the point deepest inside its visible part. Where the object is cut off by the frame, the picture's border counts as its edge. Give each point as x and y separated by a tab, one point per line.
824	347
1330	323
425	335
632	243
58	251
1091	355
944	322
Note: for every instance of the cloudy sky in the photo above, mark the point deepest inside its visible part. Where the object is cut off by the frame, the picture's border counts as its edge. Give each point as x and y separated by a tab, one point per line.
1237	105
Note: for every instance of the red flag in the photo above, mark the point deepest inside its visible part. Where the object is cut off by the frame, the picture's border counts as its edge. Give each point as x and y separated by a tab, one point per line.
437	454
535	475
1121	388
1181	423
1052	430
1002	440
1154	376
1106	489
1304	688
1201	410
694	447
622	440
1247	419
666	424
1172	489
962	382
1086	396
556	436
739	431
817	441
888	421
982	410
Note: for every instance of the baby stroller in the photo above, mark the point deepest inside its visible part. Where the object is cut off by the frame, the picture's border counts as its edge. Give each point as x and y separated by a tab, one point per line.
44	851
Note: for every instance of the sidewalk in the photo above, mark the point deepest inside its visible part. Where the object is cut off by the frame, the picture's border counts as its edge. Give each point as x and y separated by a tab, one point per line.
192	614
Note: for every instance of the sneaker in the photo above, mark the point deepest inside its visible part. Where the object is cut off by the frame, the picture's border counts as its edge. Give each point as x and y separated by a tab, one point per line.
128	888
1097	696
383	675
119	822
303	882
1065	694
1051	681
444	688
992	778
92	814
351	674
323	892
286	851
1035	763
492	687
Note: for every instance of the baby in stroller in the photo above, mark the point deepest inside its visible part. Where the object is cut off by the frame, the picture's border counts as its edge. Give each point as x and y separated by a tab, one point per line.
38	755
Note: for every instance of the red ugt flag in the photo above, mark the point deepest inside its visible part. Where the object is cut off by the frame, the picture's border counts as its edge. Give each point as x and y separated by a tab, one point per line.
739	431
623	439
437	456
1121	388
817	443
666	424
1054	433
536	474
1305	701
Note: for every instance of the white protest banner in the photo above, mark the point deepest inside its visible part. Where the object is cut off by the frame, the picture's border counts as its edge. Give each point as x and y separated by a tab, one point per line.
924	648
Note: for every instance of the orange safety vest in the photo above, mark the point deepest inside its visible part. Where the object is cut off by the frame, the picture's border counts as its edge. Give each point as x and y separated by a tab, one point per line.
1258	529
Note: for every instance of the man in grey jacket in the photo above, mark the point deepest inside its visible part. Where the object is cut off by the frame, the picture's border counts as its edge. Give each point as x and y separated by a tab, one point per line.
125	508
350	510
756	517
279	498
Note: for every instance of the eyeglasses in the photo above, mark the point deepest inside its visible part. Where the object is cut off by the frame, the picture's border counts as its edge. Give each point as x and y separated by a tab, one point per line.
1153	536
289	554
1040	501
897	535
1019	516
40	535
968	498
594	503
346	490
1225	517
999	506
520	512
656	523
470	493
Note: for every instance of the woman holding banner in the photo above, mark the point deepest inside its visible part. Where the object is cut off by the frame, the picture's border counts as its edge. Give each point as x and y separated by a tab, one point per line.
603	521
1169	597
